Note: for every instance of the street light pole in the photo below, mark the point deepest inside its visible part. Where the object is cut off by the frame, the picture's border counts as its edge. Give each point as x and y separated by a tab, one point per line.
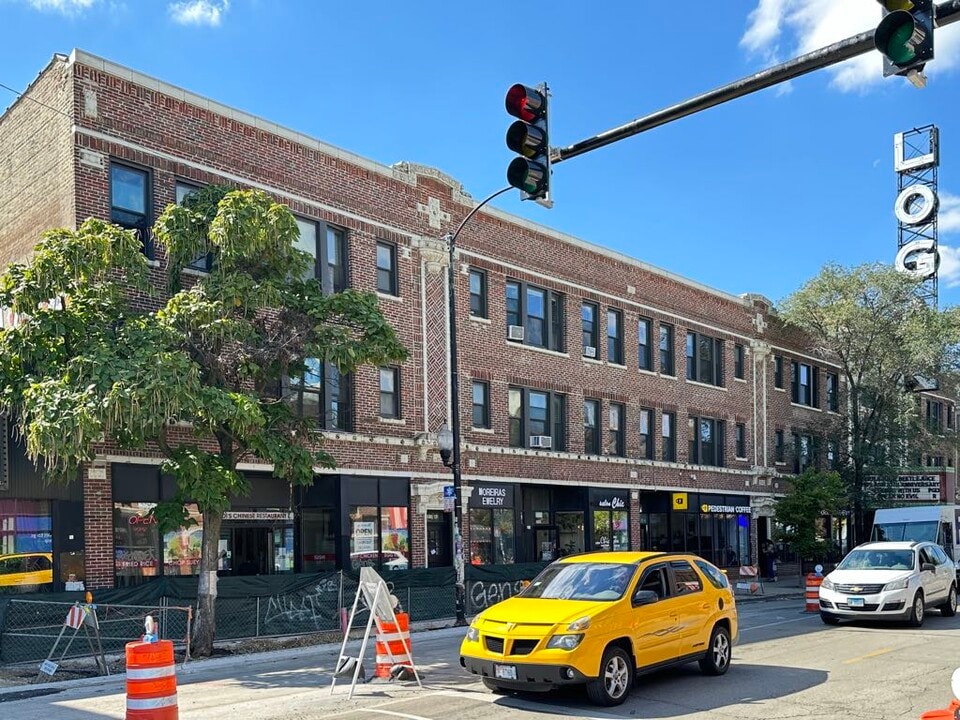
450	455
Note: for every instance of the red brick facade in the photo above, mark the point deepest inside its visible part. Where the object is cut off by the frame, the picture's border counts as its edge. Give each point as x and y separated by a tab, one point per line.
120	115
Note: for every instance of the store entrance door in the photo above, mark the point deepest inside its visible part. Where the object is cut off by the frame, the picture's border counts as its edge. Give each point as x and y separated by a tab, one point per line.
252	551
546	543
439	537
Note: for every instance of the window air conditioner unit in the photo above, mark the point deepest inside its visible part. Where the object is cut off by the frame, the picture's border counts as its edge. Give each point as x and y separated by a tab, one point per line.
515	332
541	441
590	352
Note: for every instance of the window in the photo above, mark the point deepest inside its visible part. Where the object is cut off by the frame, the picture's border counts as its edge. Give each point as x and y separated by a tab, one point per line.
380	537
387	268
537	419
320	240
322	395
704	359
491	536
666	349
203	261
934	416
779	451
591	427
833	461
833	401
591	339
539	312
950	417
685	578
130	202
706	441
617	440
738	361
804	452
615	337
389	392
803	384
741	439
778	371
645	352
478	293
646	433
481	405
668	450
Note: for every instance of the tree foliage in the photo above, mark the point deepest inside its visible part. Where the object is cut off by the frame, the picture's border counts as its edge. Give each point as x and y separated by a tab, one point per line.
84	366
813	495
870	320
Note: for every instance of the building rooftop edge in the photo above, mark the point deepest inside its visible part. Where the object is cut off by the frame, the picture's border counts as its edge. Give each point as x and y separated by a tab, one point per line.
83	57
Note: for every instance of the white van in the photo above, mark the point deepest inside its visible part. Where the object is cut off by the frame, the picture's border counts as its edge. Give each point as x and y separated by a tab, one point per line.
923	523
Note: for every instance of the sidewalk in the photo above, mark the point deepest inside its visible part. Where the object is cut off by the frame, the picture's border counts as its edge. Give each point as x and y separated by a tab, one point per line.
786	587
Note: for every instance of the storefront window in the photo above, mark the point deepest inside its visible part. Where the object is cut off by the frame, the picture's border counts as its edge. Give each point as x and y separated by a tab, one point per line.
379	537
394	538
319	540
492	537
25	526
182	547
363	537
658	532
570	526
610	530
136	539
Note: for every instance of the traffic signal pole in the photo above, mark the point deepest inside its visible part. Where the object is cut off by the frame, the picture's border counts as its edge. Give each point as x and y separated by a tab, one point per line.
946	13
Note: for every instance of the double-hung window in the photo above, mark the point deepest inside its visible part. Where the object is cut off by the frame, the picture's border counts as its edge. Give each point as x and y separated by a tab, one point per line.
644	351
589	314
534	316
204	261
934	417
779	449
706	441
738	361
481	405
327	246
741	440
833	386
617	443
778	371
478	293
804	452
387	268
704	359
668	435
537	419
666	349
803	384
130	205
646	433
591	427
615	337
390	392
322	396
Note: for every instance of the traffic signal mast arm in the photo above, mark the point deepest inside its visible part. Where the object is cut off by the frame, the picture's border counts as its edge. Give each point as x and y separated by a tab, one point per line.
945	13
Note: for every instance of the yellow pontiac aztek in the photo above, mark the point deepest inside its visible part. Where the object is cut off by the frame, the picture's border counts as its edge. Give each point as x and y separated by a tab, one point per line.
601	618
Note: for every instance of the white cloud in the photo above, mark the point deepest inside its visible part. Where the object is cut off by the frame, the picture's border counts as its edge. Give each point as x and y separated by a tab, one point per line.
949	271
948	214
796	27
199	12
67	7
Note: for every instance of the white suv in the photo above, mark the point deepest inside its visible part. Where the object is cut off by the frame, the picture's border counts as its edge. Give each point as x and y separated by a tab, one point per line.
890	580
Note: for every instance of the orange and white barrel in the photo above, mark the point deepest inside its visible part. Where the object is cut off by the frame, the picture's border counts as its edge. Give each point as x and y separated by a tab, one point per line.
393	645
151	681
812	593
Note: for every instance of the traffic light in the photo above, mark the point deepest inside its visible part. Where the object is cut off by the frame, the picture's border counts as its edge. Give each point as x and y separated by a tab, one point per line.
529	136
905	38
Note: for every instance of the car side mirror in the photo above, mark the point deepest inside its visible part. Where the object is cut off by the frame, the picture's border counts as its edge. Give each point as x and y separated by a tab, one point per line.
928	567
645	597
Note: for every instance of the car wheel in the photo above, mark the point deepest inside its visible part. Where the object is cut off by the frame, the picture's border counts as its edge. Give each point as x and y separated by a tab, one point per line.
917	612
494	687
949	608
616	678
829	619
717	659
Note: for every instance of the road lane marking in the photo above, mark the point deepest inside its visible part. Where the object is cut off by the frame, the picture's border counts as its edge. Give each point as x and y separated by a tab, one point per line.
875	653
407	716
771	624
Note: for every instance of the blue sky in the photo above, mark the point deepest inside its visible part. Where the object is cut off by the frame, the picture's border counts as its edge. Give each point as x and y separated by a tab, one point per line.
751	196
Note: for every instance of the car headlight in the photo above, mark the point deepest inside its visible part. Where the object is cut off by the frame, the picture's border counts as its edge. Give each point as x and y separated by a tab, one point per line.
828	584
473	634
579	624
901	584
564	642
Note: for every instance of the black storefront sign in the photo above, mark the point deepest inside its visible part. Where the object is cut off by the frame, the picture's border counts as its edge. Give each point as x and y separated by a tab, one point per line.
492	496
610	499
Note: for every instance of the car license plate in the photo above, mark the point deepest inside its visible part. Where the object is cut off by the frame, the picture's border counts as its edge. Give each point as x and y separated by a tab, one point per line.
505	672
855	602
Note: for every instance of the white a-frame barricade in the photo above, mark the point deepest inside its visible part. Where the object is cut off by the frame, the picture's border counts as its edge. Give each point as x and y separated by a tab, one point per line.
376	596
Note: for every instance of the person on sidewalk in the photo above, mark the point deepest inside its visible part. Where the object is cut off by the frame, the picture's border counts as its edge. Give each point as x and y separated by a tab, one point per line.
770	561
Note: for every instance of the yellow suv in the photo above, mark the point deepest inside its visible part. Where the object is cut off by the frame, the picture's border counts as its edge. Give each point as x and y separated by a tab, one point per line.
600	619
26	571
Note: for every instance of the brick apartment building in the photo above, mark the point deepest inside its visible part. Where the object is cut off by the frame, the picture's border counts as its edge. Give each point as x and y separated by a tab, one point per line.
605	402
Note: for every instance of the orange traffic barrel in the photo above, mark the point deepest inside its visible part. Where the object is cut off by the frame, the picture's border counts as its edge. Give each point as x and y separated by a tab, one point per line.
812	593
393	645
947	713
151	681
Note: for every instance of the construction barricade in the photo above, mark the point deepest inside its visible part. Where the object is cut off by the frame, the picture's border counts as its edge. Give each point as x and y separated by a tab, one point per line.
151	681
812	593
393	645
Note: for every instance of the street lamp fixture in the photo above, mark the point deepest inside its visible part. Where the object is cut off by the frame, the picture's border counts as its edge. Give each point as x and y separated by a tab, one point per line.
445	442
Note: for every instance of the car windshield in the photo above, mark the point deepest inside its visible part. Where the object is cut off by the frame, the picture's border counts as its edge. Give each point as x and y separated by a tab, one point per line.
878	560
581	581
906	531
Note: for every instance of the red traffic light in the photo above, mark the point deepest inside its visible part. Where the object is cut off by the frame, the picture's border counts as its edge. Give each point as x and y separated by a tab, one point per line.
525	103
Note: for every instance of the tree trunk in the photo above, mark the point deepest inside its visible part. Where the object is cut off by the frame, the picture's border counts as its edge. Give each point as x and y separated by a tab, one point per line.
205	622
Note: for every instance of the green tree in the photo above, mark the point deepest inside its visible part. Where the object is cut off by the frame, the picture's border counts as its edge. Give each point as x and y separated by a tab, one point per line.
90	367
813	494
870	320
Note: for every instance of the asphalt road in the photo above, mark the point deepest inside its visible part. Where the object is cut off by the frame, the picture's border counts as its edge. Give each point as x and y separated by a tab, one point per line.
787	665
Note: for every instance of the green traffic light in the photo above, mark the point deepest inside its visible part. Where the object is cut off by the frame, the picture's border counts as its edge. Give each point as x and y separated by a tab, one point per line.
899	48
900	37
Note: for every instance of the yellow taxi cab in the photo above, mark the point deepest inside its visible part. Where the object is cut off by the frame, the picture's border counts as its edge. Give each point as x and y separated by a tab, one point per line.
600	619
26	571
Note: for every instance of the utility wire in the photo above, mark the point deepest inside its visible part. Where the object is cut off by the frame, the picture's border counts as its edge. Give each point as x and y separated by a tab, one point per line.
27	97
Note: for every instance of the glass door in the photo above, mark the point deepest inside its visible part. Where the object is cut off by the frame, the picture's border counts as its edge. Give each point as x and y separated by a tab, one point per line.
546	543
